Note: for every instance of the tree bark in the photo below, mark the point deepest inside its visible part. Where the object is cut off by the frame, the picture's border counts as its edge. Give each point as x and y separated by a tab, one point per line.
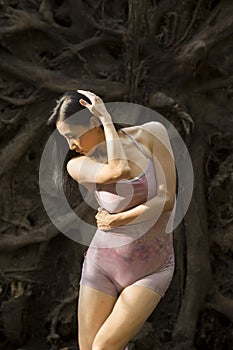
198	278
136	30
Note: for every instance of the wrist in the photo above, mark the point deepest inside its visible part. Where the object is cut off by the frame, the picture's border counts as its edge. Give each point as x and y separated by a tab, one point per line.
123	218
117	220
106	119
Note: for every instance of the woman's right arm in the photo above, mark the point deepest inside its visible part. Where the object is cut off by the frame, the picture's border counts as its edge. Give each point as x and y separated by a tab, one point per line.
85	170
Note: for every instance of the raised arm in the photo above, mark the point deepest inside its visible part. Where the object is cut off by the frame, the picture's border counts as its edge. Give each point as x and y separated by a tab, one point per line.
166	182
84	169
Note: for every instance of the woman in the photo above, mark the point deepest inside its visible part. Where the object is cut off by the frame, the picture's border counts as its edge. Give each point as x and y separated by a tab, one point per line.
130	262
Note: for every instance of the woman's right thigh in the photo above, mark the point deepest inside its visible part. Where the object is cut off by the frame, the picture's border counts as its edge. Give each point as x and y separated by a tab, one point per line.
94	307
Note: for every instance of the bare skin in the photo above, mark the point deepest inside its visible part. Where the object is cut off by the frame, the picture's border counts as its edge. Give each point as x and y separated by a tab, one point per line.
158	144
107	322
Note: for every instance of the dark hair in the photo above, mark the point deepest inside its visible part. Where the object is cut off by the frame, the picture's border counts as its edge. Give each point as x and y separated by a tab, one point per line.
67	107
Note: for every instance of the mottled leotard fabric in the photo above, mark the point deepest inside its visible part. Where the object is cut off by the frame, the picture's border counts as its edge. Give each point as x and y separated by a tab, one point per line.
133	254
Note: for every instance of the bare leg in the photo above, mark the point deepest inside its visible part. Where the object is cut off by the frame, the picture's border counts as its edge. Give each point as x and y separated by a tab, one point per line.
93	309
130	311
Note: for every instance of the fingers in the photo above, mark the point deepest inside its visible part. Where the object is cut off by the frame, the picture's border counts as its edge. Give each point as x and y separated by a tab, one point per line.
84	103
88	94
103	219
92	97
103	228
85	92
101	215
102	210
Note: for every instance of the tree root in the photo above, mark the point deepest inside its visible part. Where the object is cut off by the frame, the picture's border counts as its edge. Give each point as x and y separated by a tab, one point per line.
186	120
10	243
54	318
80	15
193	53
214	13
198	279
17	147
172	18
16	222
46	10
43	234
21	21
21	269
220	303
217	83
54	81
136	27
223	237
14	278
224	169
191	24
196	50
18	101
161	101
12	121
72	51
223	28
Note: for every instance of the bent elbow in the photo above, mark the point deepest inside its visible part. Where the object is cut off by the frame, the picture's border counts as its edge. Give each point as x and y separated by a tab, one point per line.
121	173
168	197
124	173
170	202
71	170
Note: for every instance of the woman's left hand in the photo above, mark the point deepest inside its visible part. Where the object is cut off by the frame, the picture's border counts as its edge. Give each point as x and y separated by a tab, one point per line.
105	220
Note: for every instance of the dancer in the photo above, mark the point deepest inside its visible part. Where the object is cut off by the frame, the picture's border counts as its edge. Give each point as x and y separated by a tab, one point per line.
129	264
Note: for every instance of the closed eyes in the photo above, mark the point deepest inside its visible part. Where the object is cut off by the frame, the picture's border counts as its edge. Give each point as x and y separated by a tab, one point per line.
70	136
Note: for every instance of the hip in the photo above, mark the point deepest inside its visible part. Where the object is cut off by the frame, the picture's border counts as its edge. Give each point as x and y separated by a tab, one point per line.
145	257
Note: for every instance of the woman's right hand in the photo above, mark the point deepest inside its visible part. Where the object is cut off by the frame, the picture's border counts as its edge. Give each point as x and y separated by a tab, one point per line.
97	106
106	221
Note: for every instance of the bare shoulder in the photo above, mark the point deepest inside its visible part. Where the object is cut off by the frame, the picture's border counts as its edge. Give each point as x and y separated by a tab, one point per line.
149	133
155	129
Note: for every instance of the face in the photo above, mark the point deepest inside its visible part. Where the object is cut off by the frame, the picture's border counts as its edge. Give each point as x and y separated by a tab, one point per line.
80	138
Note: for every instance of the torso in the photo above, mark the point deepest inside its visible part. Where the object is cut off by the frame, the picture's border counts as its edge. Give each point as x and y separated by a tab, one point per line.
146	244
137	160
131	252
145	135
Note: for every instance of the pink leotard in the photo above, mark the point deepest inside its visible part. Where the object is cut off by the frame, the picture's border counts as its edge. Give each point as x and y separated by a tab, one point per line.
133	254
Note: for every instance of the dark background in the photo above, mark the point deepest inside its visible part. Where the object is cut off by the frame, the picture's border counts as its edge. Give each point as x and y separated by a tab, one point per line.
172	56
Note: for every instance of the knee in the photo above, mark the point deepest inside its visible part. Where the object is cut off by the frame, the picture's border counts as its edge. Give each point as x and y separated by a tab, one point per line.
100	347
84	344
104	346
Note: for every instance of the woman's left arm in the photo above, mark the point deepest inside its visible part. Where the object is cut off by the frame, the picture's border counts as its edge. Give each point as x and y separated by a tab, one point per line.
166	184
83	169
140	213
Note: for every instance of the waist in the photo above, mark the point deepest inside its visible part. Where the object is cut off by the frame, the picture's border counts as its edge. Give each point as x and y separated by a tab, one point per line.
123	196
123	235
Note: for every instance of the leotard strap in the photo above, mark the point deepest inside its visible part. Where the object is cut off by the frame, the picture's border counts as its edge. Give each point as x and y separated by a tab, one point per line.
137	144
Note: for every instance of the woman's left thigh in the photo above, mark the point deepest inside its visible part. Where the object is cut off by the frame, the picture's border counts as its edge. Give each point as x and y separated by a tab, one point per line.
131	310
